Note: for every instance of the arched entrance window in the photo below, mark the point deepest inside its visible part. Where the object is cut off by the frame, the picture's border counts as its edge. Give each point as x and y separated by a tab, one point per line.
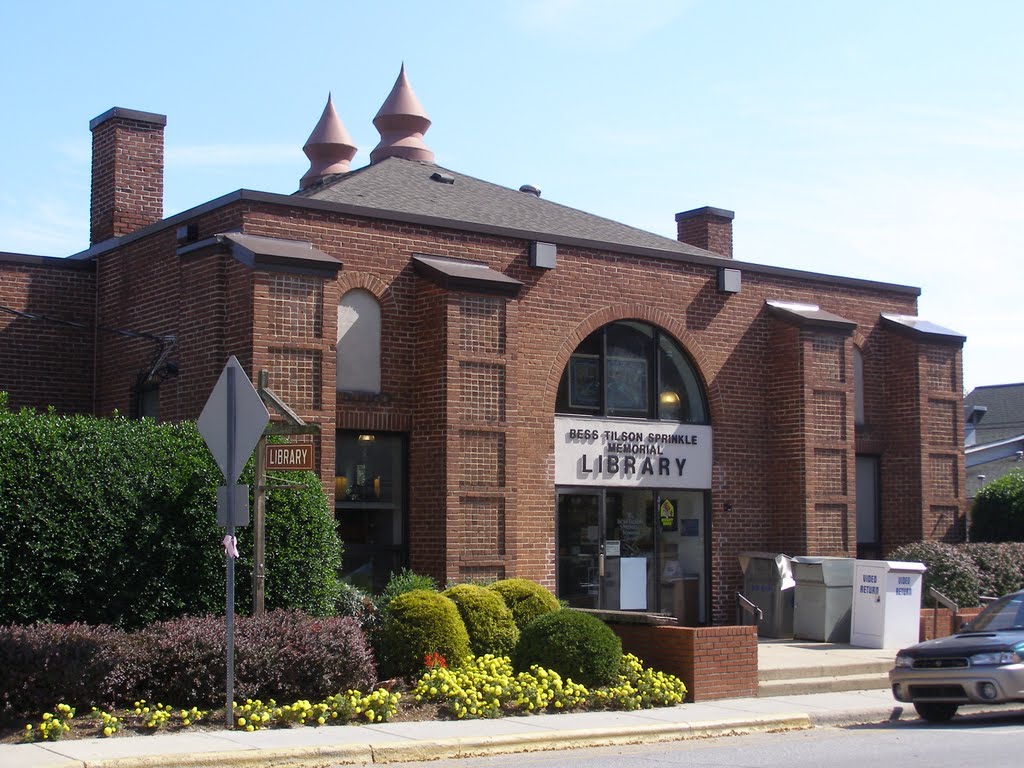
633	475
632	369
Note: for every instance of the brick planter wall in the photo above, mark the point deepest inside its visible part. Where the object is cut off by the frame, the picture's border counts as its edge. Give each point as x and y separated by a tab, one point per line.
714	662
942	622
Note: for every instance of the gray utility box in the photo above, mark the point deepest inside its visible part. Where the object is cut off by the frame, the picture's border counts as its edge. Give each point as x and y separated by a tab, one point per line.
768	584
823	598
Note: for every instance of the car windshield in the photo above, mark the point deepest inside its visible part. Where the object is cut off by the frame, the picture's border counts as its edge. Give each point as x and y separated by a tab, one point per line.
1005	613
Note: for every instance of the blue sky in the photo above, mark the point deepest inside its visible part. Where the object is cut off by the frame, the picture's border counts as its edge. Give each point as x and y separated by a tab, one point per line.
882	140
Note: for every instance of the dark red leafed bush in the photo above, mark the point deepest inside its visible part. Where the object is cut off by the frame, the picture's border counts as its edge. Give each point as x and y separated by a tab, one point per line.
285	655
41	664
185	661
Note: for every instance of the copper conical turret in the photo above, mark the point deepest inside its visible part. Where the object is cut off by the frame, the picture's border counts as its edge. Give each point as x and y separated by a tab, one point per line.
401	122
329	148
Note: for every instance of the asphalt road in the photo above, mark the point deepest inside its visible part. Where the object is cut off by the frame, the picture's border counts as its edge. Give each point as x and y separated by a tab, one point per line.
992	741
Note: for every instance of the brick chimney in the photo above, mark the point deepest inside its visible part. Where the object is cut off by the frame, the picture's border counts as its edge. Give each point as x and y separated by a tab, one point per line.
127	172
708	228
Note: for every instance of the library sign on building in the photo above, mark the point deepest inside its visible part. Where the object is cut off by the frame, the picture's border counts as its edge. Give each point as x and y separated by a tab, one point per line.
634	454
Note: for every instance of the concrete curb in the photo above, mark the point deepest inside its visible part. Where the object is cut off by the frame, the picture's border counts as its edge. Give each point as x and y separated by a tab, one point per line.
441	749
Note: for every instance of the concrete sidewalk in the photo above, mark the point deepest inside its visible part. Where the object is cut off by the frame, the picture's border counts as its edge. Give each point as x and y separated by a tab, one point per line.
399	742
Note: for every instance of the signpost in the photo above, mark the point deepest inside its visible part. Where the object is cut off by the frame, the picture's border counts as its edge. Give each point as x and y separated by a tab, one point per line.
271	457
231	423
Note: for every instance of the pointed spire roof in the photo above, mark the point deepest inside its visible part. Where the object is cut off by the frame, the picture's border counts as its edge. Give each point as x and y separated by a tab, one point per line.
401	122
329	147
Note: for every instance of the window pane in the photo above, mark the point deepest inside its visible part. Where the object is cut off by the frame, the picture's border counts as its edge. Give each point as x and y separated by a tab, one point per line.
580	388
369	490
680	395
629	348
358	343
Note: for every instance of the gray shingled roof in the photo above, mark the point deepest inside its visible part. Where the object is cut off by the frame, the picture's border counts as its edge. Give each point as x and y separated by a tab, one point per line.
405	186
1005	415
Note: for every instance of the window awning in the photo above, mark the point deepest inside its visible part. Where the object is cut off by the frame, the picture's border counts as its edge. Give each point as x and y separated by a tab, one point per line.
464	274
809	315
909	325
258	252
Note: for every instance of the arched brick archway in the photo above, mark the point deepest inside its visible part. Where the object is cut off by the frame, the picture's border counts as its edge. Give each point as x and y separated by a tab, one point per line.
693	599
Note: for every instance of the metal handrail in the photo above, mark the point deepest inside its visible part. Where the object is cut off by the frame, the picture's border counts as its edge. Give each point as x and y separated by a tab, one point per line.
986	599
938	597
744	605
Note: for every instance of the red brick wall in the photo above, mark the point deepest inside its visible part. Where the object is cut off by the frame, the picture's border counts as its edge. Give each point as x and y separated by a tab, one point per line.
728	337
127	176
45	362
713	662
923	468
942	622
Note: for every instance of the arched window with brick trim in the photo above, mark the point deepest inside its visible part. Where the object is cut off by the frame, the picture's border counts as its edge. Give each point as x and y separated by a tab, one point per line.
632	369
358	349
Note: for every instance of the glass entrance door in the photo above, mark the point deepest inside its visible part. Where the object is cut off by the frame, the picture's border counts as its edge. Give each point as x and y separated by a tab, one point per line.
606	549
629	550
579	548
634	550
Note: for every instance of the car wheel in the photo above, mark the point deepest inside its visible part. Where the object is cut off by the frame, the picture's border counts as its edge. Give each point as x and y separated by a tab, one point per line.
935	711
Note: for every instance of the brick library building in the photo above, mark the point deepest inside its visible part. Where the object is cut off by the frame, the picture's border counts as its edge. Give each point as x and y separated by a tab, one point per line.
506	386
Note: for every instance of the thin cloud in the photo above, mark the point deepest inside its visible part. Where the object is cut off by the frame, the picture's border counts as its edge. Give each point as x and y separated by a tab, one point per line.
233	155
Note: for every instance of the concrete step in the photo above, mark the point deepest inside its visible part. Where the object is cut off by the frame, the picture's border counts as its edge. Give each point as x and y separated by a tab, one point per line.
832	670
797	686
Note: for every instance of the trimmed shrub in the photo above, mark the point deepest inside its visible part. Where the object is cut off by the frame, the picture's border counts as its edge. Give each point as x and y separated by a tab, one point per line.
489	622
113	521
283	654
400	583
526	599
1000	566
41	664
998	511
286	655
950	570
417	623
575	645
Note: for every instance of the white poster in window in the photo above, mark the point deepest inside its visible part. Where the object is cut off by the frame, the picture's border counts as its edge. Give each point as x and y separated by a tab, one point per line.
633	584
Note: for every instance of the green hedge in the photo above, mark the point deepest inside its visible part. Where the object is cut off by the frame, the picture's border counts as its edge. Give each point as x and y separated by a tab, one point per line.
526	599
488	620
998	511
418	623
576	645
950	570
965	572
113	521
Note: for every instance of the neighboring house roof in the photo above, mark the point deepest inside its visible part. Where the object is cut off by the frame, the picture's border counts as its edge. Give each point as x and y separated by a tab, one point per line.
425	189
1004	414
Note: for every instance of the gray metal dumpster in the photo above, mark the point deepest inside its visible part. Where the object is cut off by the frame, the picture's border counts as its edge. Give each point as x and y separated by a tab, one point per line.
823	598
768	584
